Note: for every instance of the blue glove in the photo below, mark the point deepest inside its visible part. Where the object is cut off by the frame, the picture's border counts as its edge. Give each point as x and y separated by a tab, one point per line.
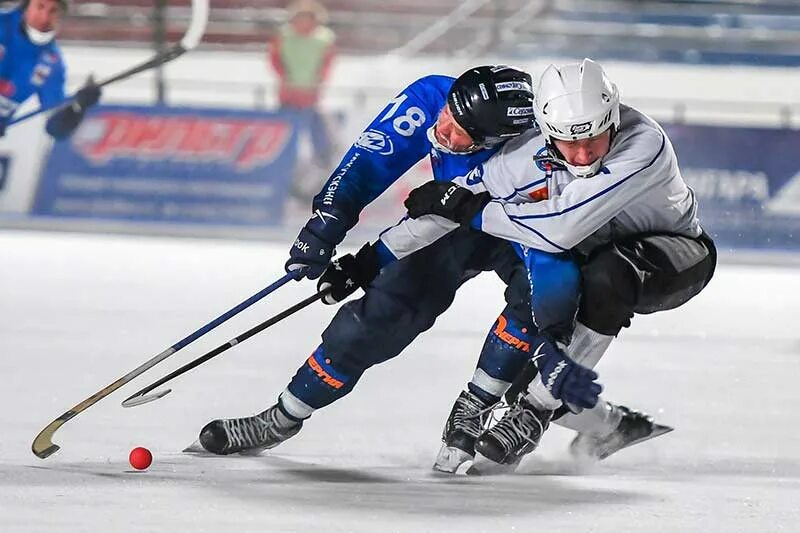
316	244
565	379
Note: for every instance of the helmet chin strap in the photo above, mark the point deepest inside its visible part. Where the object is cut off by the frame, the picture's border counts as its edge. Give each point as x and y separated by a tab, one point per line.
39	37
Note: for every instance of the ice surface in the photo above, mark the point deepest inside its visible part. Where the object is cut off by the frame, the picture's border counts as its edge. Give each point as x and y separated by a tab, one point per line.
78	311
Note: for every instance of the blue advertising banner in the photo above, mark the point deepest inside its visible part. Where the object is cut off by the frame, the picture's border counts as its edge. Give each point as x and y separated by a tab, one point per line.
173	165
747	181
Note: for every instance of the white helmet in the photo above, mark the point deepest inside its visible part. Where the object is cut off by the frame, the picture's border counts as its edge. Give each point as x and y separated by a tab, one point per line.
572	102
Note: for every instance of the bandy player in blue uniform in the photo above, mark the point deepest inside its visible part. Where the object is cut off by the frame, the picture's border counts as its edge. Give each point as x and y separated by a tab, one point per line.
31	63
460	124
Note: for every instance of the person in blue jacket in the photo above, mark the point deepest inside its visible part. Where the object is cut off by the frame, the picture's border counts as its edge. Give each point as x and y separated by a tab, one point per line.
31	64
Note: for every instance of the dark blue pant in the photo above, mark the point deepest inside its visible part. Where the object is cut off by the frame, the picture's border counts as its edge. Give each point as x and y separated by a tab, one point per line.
405	300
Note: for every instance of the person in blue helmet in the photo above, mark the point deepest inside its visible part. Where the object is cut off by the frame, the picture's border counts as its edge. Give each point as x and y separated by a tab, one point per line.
31	63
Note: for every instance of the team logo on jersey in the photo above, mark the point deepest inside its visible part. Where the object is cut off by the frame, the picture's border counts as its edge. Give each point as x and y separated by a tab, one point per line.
577	129
7	88
375	141
542	159
40	74
49	57
475	175
519	111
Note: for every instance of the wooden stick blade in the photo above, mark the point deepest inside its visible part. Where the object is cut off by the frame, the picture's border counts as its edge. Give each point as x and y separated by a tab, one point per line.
43	446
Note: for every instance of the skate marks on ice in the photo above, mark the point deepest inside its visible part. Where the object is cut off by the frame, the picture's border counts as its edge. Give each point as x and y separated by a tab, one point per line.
312	483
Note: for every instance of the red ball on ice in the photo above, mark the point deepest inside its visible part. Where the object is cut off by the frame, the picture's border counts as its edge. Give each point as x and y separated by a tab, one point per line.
140	458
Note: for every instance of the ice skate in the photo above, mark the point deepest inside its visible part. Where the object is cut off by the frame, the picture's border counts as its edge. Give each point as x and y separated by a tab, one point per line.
250	435
501	448
635	427
465	423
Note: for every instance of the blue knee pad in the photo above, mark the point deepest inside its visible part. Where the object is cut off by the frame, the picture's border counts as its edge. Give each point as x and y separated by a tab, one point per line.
320	382
506	350
555	292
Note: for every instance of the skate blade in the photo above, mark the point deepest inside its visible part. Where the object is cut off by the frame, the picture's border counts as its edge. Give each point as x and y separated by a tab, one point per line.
486	467
196	448
452	460
658	430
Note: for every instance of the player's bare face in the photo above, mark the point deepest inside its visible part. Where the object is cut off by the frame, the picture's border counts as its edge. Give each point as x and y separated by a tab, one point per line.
43	15
450	135
584	152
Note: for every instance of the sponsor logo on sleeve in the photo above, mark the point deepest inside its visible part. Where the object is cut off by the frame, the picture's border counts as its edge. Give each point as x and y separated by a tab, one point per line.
375	141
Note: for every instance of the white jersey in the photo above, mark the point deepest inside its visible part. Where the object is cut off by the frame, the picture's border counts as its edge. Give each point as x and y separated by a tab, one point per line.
638	189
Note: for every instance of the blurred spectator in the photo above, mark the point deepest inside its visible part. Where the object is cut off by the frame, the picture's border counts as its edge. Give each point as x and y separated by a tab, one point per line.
301	53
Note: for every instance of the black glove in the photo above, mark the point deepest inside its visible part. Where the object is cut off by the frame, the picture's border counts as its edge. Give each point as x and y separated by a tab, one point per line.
316	243
88	95
64	121
446	199
348	273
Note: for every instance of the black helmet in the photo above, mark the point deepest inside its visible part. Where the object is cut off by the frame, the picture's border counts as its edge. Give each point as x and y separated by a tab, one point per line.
492	103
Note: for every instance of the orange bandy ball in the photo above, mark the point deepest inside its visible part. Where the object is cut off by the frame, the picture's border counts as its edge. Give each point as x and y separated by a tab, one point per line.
140	458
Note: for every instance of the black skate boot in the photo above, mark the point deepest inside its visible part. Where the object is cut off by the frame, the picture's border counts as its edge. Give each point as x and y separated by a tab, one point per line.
463	426
500	448
635	427
250	435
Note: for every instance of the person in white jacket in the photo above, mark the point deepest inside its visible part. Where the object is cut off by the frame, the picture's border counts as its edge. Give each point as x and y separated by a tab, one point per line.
600	179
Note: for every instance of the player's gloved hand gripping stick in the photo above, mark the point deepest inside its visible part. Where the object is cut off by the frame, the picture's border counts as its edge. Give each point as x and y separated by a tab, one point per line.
342	278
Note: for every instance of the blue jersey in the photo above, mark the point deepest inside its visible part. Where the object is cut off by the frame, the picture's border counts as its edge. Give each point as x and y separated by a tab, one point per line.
391	144
27	68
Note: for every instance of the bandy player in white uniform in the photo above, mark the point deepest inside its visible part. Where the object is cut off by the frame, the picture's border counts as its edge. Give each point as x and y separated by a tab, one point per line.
601	179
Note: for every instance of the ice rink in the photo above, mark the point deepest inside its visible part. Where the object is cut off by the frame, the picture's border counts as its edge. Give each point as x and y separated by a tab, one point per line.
79	311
